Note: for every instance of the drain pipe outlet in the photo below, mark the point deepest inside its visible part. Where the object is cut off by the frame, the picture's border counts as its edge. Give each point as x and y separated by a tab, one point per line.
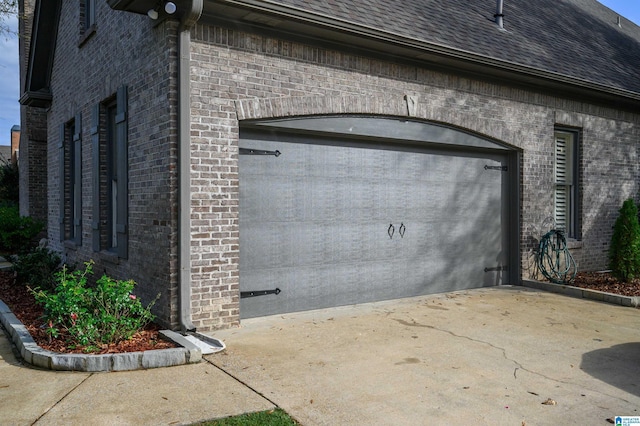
187	22
499	15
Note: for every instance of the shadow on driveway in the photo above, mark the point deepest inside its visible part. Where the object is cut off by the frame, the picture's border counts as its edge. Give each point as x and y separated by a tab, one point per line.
618	366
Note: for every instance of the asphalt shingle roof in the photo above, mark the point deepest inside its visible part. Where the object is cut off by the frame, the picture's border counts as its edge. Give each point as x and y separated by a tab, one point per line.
576	38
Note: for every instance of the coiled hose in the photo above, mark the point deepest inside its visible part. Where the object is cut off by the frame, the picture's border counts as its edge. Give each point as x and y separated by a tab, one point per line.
554	259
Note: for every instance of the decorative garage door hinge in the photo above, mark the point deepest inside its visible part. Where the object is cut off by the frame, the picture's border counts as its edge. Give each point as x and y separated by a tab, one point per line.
245	294
500	168
249	151
496	269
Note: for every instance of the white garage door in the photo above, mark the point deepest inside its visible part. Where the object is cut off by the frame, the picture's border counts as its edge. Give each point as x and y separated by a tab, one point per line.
333	217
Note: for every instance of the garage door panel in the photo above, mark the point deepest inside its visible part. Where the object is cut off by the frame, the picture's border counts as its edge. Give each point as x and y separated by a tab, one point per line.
283	245
304	288
283	194
300	199
339	199
441	203
332	225
310	160
460	168
472	200
438	246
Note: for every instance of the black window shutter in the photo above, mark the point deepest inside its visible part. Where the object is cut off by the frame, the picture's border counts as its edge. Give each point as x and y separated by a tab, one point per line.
77	172
123	172
95	177
61	176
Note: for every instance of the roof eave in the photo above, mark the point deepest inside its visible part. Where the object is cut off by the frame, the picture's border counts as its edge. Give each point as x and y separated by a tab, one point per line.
37	90
321	27
141	7
326	28
40	98
134	6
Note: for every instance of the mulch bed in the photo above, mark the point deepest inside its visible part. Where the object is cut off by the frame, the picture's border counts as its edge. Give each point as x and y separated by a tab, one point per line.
24	307
604	281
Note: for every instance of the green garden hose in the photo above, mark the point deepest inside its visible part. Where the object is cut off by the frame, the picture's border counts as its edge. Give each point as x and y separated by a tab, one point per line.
554	259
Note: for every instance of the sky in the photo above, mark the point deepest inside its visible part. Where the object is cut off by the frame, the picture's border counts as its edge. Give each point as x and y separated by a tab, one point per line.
630	9
9	77
9	84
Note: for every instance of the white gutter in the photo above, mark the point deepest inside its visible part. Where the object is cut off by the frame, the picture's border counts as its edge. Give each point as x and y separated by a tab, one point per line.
187	22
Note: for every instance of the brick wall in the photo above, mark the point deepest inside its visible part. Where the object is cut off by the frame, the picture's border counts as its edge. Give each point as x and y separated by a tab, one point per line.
32	160
32	163
238	76
124	50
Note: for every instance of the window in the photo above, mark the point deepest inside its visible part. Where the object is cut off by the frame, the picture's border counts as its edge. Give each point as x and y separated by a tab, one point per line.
87	19
112	178
70	157
89	14
110	175
566	182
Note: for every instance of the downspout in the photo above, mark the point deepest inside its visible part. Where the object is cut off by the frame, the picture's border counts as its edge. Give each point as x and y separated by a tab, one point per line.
187	22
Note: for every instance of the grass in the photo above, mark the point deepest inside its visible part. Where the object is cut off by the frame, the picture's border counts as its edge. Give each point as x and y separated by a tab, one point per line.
275	417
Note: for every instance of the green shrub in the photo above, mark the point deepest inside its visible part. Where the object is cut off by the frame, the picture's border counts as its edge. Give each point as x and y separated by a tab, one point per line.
37	268
17	233
624	253
9	181
90	317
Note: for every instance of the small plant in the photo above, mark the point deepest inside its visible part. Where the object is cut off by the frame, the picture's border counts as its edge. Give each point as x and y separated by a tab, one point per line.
9	180
17	233
91	317
37	268
119	311
624	253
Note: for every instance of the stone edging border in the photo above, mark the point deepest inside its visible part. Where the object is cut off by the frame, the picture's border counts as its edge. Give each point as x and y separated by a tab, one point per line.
583	293
188	353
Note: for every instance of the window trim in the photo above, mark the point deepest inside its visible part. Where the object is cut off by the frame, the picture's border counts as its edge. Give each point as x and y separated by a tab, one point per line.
89	14
109	218
571	186
122	129
95	177
87	20
111	175
70	157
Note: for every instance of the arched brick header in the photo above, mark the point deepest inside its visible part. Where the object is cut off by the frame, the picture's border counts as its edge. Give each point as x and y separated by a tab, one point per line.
251	109
409	105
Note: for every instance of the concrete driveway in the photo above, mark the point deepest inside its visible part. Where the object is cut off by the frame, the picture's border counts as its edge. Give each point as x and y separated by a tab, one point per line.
489	356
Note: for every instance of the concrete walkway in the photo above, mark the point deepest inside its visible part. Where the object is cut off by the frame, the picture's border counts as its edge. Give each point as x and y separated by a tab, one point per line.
481	357
162	396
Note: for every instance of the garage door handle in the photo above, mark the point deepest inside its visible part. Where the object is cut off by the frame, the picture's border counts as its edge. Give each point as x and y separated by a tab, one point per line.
391	230
402	230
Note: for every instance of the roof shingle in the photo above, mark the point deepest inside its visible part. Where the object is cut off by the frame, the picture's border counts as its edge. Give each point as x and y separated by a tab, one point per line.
575	38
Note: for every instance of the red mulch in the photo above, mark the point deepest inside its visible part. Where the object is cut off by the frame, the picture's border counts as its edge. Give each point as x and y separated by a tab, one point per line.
604	281
23	306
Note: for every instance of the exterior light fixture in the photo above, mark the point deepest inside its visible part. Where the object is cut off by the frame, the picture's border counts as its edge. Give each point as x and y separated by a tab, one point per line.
170	7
